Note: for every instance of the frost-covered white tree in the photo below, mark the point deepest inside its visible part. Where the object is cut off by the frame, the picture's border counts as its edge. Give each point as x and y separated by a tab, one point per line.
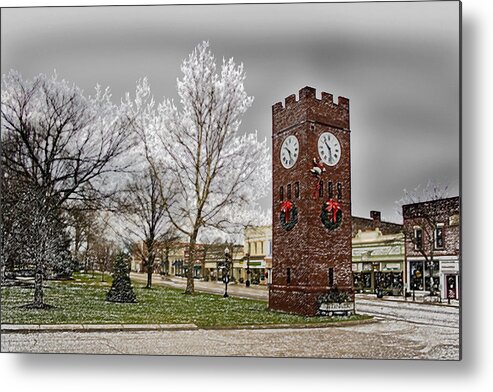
64	145
213	168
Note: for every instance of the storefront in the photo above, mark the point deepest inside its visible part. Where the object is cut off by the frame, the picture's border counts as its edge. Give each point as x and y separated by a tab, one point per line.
369	277
180	269
378	262
437	277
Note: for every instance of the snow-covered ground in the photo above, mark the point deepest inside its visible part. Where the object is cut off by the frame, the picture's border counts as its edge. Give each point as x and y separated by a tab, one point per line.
385	339
429	314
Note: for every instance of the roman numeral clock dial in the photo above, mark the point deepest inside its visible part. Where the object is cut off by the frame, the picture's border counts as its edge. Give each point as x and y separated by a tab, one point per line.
289	151
329	149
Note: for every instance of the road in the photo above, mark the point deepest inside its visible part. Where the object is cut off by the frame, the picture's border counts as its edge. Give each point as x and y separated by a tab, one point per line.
386	339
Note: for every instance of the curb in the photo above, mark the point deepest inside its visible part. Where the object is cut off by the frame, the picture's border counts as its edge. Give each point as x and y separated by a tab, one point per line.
440	304
352	323
26	328
46	328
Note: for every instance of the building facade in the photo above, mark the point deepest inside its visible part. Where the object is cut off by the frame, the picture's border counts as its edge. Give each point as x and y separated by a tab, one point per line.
257	262
378	256
432	247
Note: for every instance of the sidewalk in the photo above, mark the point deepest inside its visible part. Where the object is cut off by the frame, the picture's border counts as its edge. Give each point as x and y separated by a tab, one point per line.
40	328
419	300
259	292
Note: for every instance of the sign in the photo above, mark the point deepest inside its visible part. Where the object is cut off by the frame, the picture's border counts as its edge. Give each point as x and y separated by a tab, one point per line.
450	266
345	308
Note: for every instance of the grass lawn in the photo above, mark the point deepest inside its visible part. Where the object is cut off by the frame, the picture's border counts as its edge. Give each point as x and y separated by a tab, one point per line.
83	301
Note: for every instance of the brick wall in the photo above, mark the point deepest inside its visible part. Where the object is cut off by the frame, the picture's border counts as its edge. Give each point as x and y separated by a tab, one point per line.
309	249
427	215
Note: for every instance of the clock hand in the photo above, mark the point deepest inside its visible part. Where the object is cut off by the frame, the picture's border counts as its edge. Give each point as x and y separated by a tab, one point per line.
289	152
330	150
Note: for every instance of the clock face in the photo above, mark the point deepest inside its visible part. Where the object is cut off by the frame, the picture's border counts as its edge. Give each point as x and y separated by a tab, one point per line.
329	148
289	151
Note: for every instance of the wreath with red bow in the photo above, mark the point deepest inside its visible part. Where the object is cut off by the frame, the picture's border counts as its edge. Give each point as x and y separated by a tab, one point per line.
288	215
331	215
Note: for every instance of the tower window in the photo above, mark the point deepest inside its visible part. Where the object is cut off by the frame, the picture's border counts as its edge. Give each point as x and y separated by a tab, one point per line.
296	189
281	193
288	276
289	191
331	277
331	190
339	191
321	189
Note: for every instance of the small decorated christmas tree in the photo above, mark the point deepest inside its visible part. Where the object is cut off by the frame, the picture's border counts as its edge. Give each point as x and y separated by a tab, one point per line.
121	289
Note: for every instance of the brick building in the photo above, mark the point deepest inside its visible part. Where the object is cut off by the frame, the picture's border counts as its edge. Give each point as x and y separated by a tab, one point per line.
311	228
432	246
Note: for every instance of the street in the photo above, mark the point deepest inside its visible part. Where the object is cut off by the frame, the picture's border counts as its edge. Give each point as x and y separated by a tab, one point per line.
386	339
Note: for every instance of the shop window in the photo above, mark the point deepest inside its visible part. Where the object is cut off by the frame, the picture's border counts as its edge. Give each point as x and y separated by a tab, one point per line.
439	237
296	190
432	279
418	238
416	275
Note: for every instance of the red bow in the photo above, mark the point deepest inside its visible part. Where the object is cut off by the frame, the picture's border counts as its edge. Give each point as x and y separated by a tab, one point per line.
286	207
333	206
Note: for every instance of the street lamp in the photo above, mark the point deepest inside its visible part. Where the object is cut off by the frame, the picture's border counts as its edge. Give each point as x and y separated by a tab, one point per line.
247	283
226	272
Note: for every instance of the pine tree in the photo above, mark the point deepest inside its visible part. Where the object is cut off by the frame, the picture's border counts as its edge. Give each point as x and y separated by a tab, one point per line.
121	288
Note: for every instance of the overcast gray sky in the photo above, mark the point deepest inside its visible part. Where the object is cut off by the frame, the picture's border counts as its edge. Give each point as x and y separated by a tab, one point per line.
398	63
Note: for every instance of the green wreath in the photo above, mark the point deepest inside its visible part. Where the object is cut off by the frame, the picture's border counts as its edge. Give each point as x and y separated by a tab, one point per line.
293	214
326	216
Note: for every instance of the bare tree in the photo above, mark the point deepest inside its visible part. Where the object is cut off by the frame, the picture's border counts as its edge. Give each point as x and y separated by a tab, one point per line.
211	166
61	143
143	212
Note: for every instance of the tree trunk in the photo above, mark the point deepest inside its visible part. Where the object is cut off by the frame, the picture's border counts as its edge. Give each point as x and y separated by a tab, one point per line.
149	275
38	287
191	256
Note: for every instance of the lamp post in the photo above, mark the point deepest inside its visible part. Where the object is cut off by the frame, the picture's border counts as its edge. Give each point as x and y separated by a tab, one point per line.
247	283
226	272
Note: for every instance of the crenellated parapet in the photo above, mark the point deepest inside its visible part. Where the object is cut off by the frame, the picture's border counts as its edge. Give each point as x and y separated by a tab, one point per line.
312	109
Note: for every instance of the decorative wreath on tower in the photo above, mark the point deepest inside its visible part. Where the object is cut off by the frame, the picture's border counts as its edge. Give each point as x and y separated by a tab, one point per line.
331	214
288	215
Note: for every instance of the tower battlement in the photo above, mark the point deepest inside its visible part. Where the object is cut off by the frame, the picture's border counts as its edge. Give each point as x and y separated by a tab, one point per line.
322	110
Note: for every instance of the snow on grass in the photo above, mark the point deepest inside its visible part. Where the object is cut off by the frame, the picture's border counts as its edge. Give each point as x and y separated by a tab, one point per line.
85	303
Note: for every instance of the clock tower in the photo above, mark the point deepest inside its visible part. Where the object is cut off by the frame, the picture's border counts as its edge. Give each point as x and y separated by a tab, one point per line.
311	226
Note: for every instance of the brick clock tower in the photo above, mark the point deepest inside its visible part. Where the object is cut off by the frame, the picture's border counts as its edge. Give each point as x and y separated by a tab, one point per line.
311	227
